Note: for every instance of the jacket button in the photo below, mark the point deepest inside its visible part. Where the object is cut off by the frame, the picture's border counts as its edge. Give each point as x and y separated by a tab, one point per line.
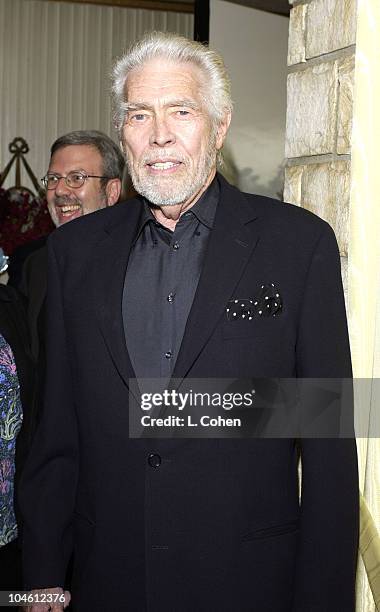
154	460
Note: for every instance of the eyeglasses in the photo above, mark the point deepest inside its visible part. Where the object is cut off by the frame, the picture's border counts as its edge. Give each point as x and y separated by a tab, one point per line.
74	179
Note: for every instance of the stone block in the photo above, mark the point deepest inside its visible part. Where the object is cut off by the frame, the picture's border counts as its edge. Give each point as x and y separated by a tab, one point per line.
326	192
346	75
330	25
311	110
293	185
296	47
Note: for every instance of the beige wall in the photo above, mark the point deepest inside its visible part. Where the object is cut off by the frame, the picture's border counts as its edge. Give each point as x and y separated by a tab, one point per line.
254	46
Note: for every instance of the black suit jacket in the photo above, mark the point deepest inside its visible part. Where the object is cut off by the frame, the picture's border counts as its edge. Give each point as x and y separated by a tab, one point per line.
34	287
217	526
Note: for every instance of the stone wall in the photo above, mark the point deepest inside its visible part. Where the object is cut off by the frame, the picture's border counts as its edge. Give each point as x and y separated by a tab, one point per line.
321	61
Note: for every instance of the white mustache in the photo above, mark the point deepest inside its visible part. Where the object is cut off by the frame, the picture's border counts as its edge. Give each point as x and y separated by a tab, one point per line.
162	156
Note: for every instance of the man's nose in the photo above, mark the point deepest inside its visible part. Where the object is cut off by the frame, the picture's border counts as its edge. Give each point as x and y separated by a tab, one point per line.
161	135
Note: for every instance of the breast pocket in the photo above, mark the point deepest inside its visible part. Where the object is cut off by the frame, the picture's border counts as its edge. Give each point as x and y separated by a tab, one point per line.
245	328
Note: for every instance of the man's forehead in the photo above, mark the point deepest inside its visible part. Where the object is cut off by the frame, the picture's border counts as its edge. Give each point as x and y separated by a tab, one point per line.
162	78
77	156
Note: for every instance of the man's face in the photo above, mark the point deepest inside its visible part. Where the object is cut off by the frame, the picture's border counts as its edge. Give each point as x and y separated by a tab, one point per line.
167	136
66	203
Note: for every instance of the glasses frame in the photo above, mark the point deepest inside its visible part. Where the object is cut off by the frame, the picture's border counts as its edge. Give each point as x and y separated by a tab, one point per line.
85	176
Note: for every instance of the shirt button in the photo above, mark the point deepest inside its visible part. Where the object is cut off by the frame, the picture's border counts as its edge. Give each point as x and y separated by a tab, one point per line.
176	246
168	354
154	460
171	297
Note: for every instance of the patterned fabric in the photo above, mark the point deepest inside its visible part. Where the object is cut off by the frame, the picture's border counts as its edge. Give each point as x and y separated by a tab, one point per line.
267	303
10	424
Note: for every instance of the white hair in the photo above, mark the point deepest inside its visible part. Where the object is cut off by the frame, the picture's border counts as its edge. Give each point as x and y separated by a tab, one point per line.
216	91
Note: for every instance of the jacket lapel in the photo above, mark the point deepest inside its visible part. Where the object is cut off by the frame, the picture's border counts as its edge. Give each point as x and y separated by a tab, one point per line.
110	264
232	242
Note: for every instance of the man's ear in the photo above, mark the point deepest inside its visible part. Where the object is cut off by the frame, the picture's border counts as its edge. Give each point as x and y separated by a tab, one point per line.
113	189
222	130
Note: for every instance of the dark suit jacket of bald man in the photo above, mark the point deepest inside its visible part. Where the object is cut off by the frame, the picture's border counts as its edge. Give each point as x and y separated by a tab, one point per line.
217	525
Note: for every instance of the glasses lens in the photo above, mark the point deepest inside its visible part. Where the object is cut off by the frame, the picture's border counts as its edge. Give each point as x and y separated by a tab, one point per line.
50	181
75	179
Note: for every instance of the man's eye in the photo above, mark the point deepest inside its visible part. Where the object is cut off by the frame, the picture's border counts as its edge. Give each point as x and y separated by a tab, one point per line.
183	113
52	180
139	117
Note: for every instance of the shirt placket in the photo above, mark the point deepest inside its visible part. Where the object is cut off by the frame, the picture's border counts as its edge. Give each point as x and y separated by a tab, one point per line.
174	259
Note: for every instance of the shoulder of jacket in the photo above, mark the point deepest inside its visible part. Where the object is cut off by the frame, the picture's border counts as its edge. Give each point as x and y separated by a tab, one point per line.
85	230
278	213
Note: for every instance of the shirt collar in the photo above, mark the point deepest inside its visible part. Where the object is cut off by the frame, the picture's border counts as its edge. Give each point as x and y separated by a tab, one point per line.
204	209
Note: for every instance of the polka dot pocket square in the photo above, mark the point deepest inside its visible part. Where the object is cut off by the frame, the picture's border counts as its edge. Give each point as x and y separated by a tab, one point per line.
267	303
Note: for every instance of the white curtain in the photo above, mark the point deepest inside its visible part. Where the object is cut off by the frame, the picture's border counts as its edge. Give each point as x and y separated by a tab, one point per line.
364	290
55	60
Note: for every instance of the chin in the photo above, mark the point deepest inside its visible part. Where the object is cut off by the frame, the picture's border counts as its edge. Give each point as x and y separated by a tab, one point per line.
165	200
161	196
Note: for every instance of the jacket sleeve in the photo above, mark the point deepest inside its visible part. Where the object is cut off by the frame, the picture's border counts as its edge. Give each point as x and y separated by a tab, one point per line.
328	536
48	485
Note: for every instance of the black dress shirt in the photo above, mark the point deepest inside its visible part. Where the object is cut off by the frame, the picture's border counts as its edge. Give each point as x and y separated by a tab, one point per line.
162	276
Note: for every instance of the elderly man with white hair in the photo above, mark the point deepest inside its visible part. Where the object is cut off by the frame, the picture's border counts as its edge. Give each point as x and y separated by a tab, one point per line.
192	279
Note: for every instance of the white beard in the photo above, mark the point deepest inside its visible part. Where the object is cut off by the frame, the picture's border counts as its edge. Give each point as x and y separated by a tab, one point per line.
172	190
